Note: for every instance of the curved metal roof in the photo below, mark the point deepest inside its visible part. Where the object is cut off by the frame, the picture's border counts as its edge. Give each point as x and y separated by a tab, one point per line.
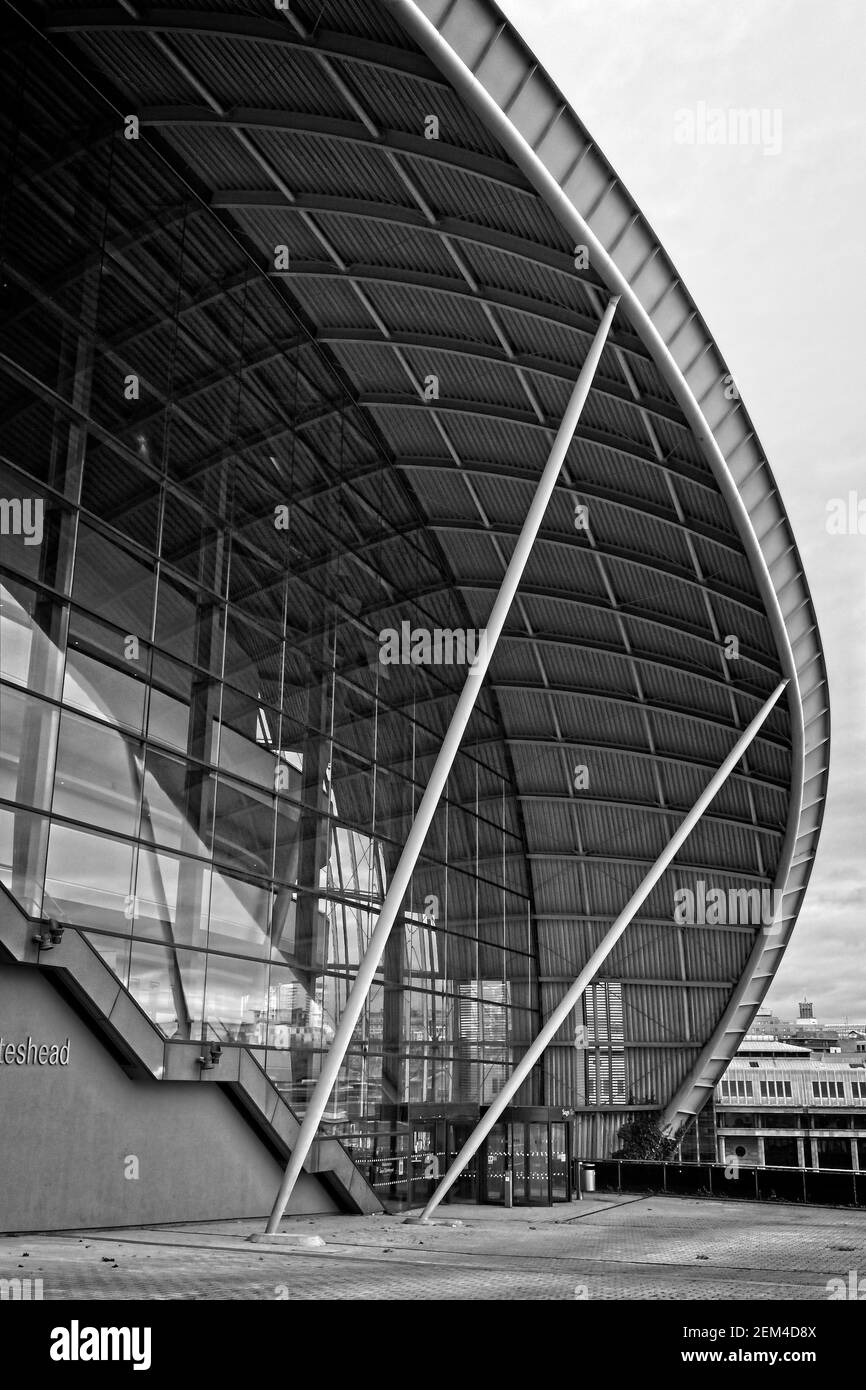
454	257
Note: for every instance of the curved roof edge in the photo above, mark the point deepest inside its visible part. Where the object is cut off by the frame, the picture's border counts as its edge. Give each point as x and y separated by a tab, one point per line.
494	71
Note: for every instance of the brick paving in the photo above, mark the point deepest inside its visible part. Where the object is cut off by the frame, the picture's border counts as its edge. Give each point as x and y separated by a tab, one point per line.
605	1248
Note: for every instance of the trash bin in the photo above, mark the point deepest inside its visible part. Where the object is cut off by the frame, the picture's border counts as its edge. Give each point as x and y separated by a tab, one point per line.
588	1176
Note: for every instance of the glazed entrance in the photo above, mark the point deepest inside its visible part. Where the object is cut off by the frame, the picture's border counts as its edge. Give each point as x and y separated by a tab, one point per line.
525	1160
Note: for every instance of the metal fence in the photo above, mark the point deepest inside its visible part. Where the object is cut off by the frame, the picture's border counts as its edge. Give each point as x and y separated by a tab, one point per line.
811	1186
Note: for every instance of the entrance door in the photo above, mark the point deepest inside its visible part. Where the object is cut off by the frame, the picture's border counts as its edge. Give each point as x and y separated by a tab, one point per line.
465	1189
538	1163
558	1162
519	1181
495	1151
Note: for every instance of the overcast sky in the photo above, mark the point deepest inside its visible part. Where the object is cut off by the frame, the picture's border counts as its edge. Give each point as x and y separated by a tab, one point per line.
771	246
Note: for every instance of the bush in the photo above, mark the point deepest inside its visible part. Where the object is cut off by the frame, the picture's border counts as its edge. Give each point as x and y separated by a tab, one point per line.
644	1138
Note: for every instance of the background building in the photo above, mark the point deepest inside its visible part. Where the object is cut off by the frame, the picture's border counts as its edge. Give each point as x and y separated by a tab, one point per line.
293	304
783	1106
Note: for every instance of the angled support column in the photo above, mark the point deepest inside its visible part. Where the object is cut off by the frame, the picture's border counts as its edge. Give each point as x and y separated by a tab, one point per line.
598	957
441	769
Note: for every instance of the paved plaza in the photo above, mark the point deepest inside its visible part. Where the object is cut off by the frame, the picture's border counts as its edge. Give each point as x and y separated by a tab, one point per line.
616	1247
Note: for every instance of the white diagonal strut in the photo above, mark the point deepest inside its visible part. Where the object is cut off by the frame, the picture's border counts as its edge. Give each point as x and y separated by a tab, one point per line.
441	769
598	957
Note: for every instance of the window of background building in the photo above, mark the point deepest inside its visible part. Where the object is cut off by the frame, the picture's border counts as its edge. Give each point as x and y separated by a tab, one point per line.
828	1090
776	1090
736	1088
781	1153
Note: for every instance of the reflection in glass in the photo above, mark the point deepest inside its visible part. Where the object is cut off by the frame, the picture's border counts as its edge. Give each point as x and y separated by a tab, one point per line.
31	637
98	779
23	848
236	1000
89	880
169	986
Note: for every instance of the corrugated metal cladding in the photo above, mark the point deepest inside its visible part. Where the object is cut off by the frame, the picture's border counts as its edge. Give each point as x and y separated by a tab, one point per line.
612	698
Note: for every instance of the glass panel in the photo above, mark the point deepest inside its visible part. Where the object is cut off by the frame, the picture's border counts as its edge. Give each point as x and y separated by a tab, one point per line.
244	828
190	627
28	735
120	494
113	582
496	1155
31	638
538	1156
37	531
193	542
89	879
236	999
558	1162
781	1153
103	691
171	898
98	779
518	1164
465	1188
184	709
248	739
23	847
178	804
114	950
169	986
239	916
254	659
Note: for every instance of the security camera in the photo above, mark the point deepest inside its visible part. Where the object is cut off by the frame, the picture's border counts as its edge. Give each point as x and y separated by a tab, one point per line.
50	934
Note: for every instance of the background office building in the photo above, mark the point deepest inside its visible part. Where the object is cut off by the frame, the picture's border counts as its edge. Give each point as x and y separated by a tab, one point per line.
779	1105
293	301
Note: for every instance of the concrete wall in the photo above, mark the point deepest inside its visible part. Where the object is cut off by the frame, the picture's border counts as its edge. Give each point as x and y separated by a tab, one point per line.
68	1134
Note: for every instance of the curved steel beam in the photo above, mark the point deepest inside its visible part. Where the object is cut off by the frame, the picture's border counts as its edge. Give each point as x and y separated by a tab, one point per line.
407	219
668	322
246	28
344	132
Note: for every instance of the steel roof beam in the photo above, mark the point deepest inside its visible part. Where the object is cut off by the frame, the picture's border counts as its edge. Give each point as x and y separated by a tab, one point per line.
674	712
484	294
758	780
404	218
614	552
246	28
635	861
486	353
625	501
583	799
642	807
621	444
645	659
567	596
638	980
344	132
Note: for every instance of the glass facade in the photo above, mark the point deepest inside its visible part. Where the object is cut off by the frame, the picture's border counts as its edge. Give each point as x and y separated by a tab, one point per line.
205	765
